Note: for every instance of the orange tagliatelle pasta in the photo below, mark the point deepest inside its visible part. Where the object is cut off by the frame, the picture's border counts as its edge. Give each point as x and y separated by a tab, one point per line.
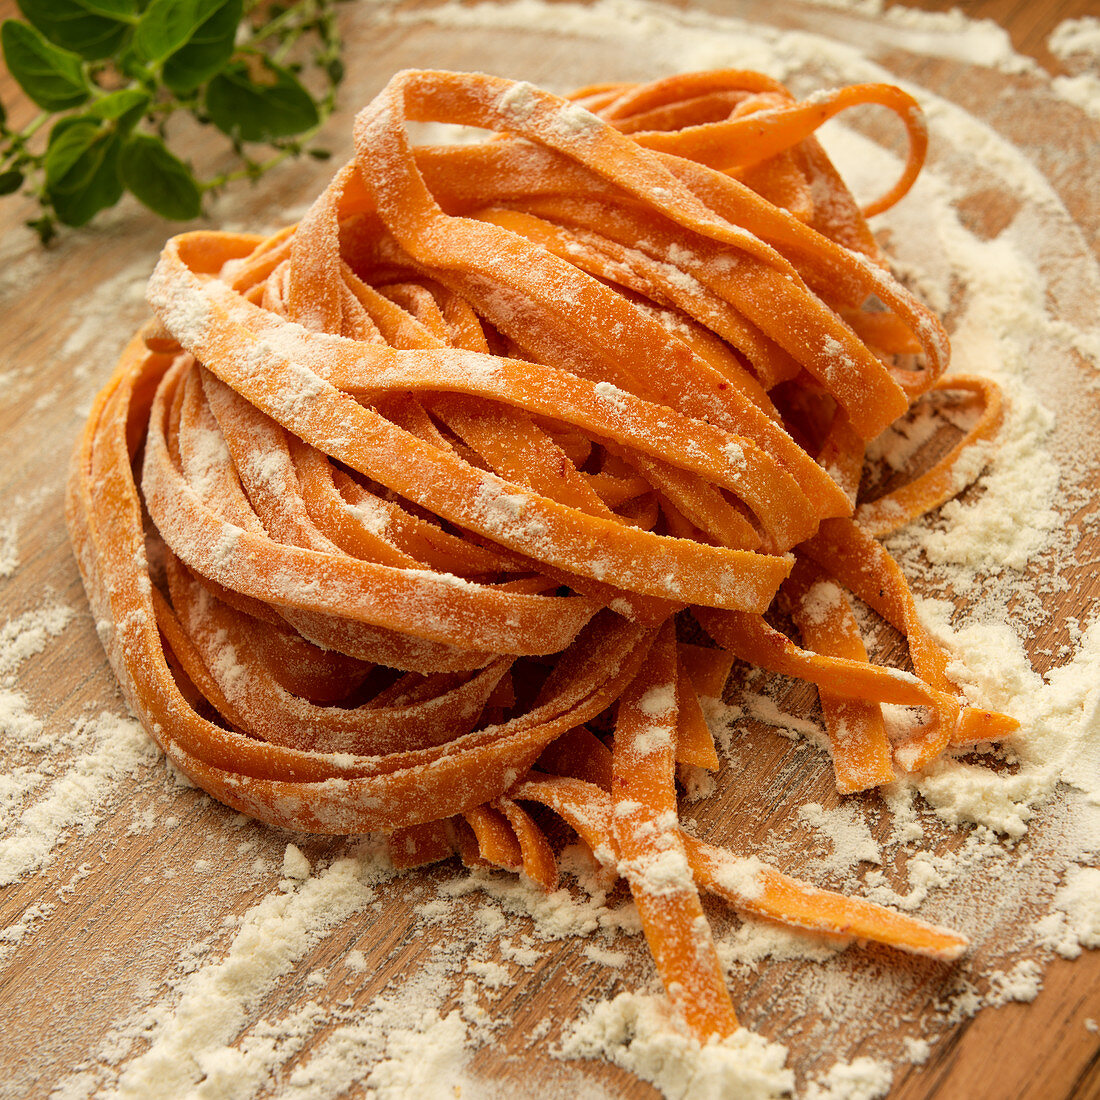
463	491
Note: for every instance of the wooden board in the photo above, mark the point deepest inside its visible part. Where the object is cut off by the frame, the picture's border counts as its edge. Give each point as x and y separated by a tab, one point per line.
118	915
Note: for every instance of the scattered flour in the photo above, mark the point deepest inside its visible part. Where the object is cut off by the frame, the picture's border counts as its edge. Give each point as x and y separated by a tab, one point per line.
425	1060
107	749
9	545
1074	920
847	832
1021	983
188	1035
295	864
639	1033
1078	38
754	941
917	1051
863	1079
27	635
604	956
1076	43
764	709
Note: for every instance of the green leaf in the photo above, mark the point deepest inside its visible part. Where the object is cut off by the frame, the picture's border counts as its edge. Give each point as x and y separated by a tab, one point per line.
161	181
81	26
206	52
168	25
116	104
10	182
69	140
81	163
125	10
266	107
53	78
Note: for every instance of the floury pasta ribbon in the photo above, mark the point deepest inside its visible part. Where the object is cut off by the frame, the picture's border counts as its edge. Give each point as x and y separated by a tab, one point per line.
441	479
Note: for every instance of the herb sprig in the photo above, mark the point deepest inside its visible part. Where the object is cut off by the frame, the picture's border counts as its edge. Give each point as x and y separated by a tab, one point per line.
109	75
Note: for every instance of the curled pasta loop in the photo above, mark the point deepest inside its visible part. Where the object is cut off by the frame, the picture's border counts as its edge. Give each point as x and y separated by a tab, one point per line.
435	478
951	474
762	126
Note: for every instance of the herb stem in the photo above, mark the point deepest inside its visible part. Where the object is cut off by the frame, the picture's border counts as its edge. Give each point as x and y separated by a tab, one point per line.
16	153
293	18
254	169
32	128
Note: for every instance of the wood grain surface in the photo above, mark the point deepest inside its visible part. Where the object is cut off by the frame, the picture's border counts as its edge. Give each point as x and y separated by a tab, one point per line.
155	879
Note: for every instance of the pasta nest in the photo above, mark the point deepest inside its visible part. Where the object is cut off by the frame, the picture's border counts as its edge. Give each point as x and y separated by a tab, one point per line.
457	496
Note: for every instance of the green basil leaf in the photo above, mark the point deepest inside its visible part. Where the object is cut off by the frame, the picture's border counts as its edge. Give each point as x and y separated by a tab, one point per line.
207	51
82	172
53	78
266	107
10	181
168	25
77	26
161	181
116	104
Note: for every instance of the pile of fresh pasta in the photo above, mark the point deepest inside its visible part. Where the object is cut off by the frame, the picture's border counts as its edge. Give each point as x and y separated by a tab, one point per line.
442	509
